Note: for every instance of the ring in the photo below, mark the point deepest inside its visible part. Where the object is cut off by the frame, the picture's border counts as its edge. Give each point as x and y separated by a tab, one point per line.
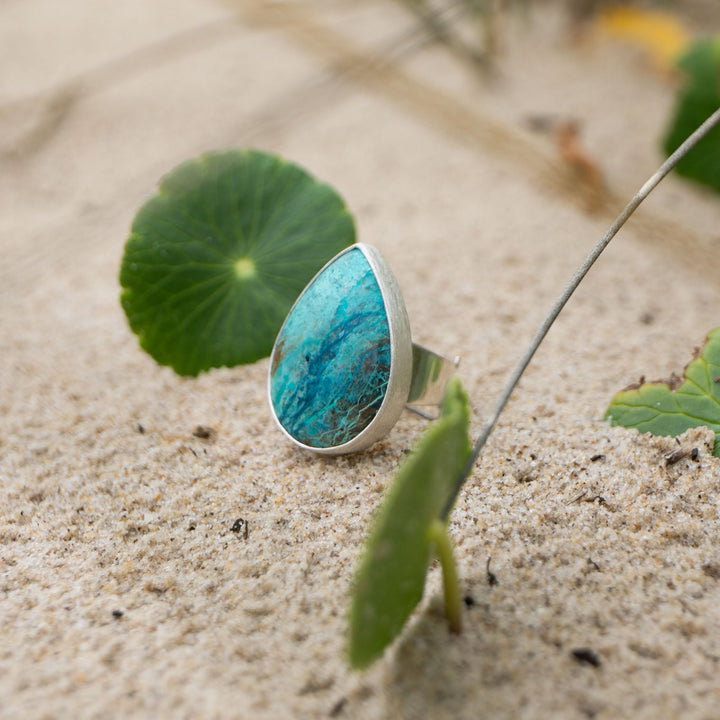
343	366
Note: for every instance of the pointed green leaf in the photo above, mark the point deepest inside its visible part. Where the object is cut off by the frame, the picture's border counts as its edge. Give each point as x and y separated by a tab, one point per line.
216	259
391	577
697	100
658	409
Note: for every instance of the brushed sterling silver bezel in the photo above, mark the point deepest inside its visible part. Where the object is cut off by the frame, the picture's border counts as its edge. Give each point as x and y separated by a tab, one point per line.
401	360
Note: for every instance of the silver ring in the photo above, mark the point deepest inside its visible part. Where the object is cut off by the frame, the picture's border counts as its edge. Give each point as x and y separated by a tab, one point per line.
343	366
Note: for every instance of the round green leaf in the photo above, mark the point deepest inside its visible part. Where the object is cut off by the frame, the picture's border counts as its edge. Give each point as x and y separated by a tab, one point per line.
216	259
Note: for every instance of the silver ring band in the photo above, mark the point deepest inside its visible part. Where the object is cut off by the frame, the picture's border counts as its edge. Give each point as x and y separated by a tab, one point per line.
430	375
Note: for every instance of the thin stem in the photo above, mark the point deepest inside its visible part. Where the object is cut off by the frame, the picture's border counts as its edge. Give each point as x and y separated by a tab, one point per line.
580	273
451	584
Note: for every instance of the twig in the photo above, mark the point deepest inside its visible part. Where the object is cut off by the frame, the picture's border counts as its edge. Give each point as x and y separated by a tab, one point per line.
576	279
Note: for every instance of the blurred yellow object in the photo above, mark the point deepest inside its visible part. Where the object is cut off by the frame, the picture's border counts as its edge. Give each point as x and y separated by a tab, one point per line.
660	34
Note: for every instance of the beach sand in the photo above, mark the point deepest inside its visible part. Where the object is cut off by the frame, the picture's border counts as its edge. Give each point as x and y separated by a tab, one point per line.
124	590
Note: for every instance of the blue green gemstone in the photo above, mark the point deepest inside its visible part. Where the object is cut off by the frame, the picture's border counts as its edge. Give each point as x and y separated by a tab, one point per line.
331	362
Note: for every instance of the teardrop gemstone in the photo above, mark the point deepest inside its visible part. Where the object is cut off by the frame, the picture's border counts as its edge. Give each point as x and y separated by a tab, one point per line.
331	363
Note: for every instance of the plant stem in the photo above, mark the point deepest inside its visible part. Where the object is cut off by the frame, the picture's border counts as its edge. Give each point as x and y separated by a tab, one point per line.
580	273
451	585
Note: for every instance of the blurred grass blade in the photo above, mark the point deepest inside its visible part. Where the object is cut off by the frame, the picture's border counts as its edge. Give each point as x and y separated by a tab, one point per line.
391	577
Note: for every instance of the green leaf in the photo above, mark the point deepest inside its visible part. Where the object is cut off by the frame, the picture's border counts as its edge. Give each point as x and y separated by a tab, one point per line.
391	577
216	259
697	100
658	409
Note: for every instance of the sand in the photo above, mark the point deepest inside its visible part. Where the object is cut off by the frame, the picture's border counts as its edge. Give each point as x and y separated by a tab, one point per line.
128	588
